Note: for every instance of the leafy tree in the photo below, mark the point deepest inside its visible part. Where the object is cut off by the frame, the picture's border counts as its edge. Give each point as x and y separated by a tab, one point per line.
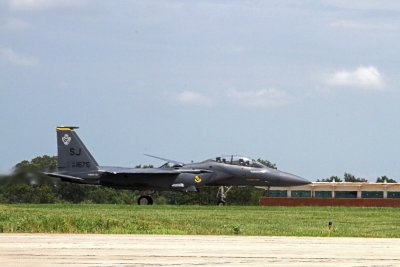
100	194
205	196
244	195
385	179
27	184
42	164
351	178
25	193
70	192
331	179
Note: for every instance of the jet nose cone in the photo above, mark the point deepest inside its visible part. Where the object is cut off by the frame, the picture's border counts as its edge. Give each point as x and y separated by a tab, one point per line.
293	180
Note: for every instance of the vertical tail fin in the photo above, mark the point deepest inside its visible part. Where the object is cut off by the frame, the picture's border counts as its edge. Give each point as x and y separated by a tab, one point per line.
73	156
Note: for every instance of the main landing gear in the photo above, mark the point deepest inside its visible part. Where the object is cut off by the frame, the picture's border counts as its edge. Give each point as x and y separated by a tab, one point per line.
145	200
222	194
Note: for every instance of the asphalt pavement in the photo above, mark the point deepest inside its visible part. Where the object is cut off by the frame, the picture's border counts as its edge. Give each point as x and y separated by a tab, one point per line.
172	250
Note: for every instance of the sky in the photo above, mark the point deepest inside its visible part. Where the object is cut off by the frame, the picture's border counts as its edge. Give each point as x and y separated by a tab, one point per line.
312	86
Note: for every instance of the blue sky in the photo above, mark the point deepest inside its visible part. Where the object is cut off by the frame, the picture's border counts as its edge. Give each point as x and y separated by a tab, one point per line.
309	85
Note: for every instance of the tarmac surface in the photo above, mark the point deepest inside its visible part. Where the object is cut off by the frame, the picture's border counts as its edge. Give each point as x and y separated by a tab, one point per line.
169	250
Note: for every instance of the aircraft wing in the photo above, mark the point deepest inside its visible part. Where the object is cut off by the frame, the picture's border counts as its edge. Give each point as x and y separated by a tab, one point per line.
67	178
152	171
183	179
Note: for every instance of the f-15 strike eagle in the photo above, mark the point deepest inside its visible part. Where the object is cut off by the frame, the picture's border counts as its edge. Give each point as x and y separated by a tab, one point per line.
77	165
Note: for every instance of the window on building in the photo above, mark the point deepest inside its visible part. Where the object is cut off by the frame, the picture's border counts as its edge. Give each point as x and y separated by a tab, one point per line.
372	194
346	194
327	194
393	195
278	193
301	193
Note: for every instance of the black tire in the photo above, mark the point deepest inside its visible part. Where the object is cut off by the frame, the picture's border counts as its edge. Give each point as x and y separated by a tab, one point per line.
145	200
221	203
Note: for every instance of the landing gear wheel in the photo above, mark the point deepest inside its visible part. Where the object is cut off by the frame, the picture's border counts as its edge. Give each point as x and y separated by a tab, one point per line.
145	200
222	194
221	203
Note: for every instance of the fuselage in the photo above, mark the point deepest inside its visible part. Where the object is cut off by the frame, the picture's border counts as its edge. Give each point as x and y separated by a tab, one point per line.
226	173
77	165
191	176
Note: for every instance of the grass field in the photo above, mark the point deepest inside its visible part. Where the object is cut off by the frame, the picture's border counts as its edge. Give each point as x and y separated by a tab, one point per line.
200	220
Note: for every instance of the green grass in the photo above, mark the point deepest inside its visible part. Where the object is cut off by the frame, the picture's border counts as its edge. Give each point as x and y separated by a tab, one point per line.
200	220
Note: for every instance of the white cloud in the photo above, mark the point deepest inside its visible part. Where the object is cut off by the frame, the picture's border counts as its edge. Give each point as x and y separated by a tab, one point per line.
191	97
368	78
10	56
35	5
265	98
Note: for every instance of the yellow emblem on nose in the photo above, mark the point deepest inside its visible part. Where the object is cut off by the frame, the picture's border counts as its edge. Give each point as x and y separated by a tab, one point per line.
197	179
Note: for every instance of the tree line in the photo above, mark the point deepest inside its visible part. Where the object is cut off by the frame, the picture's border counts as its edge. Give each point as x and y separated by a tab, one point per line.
27	184
350	178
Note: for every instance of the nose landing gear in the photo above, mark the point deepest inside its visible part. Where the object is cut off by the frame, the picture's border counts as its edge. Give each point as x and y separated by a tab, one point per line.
222	194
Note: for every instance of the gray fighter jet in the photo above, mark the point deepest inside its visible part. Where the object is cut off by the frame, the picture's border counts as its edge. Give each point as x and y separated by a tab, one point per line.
77	165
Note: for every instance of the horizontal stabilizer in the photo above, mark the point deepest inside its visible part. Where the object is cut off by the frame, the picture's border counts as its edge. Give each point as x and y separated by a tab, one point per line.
67	178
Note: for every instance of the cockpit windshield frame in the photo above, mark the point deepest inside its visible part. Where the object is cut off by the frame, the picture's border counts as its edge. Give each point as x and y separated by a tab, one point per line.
239	161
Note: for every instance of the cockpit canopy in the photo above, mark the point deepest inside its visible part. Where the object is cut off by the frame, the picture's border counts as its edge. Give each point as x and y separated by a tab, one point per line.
239	160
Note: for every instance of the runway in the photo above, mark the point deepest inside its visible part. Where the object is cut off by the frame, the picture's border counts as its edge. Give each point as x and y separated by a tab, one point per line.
167	250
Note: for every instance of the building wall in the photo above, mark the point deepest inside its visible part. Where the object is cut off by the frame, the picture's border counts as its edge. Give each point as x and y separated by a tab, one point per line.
307	201
334	194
